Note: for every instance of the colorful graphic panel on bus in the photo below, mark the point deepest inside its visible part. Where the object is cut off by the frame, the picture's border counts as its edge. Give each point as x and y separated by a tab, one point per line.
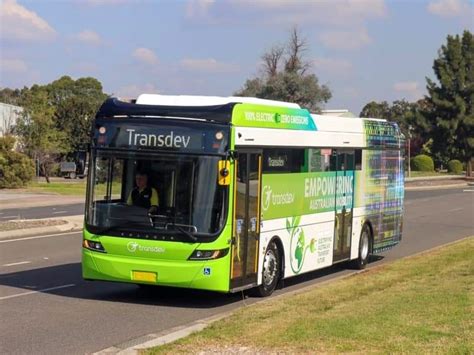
250	115
380	184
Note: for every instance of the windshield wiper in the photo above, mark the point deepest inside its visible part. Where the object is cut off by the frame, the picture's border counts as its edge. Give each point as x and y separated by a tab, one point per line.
120	225
180	228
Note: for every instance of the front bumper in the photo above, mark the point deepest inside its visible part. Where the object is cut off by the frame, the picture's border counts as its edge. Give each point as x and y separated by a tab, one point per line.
210	275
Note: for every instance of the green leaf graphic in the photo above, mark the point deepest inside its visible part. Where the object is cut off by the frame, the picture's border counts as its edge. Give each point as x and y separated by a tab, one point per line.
299	255
296	221
301	238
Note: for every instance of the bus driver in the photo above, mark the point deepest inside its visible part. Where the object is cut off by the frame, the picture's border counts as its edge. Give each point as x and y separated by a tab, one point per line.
143	195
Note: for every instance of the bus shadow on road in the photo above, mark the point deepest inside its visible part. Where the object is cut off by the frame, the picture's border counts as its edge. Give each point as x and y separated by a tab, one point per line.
66	281
48	280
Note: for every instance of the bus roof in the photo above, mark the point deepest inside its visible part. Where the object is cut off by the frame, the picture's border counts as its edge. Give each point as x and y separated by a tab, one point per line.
195	100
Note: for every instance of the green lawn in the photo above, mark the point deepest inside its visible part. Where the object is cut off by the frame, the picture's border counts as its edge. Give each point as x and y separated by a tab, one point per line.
422	304
62	188
427	173
77	187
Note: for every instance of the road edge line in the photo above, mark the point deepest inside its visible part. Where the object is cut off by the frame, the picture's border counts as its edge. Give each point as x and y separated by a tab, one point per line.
74	231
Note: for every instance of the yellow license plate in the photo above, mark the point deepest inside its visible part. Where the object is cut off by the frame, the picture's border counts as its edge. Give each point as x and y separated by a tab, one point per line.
144	276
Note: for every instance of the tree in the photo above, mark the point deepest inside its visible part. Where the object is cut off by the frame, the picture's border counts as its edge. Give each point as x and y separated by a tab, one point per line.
452	100
16	169
285	77
75	103
39	138
10	96
376	110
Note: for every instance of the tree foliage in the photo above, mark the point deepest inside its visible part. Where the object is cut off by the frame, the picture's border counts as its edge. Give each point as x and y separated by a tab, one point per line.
75	103
452	99
16	169
10	96
39	137
285	76
57	117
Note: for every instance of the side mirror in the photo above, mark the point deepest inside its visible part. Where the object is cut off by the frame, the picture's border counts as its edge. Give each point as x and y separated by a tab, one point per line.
223	177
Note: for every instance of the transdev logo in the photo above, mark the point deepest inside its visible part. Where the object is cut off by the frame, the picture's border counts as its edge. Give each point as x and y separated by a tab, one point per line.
275	199
132	247
267	197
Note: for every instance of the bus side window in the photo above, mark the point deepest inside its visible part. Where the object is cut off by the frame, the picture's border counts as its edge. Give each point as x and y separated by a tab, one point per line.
358	159
333	162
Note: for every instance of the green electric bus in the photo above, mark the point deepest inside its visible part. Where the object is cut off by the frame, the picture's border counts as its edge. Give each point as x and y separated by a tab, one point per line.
250	192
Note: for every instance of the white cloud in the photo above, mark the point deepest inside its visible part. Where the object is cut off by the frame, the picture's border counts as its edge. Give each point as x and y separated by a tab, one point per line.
14	66
89	37
198	8
410	89
333	66
145	55
330	12
348	40
107	2
19	23
451	8
278	12
209	65
132	91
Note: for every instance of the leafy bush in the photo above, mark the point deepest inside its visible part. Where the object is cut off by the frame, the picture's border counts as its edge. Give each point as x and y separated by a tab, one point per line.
455	166
422	162
16	169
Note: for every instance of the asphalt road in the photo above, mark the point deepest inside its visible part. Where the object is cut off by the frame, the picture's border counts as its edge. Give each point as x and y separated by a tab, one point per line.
42	212
45	307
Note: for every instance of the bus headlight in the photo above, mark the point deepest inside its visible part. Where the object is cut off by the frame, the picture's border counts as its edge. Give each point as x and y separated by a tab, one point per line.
208	254
95	246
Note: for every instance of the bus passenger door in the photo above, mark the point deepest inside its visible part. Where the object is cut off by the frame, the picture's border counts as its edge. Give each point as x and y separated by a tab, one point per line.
344	161
246	226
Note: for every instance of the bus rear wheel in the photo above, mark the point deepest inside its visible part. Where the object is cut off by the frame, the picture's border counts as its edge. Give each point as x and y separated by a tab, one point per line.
364	248
271	271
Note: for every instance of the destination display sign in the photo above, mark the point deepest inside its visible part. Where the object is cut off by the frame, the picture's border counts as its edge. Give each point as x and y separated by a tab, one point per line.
119	133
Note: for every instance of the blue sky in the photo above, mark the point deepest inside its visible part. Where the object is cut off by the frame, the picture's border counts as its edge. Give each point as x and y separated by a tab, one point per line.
363	50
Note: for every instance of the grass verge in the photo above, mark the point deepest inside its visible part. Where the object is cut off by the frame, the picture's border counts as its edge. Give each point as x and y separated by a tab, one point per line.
25	224
61	188
427	174
77	187
422	304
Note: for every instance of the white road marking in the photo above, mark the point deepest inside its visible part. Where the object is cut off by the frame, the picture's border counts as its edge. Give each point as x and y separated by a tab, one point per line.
37	291
9	217
18	263
38	237
468	190
455	209
59	212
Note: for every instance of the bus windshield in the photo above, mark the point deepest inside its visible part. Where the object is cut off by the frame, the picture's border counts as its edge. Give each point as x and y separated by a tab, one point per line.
155	195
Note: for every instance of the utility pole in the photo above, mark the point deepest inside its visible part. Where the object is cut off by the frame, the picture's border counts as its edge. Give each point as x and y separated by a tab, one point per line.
409	146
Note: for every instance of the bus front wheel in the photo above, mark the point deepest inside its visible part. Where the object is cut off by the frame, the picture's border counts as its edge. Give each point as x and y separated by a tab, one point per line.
271	271
364	249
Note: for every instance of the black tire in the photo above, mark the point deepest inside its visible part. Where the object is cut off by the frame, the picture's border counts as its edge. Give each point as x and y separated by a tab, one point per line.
365	242
271	271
